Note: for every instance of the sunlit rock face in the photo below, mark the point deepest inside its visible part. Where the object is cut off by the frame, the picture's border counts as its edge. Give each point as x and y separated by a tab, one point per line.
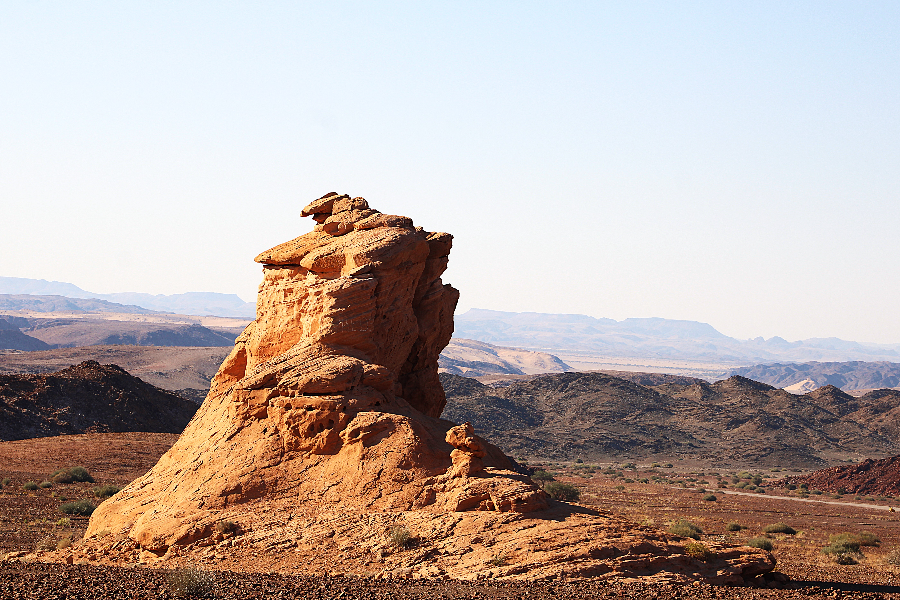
331	396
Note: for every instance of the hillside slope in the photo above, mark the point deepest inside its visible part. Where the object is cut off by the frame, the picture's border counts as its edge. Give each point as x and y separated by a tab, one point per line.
870	478
88	397
471	358
596	417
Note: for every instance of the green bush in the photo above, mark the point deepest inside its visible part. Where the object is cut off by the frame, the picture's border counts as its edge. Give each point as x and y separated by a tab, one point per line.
842	543
734	527
71	475
541	475
6	481
29	486
684	528
82	508
46	484
106	491
779	528
762	543
709	497
562	491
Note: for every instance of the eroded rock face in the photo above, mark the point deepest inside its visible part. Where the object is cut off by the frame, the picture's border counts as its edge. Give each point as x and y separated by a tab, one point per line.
331	395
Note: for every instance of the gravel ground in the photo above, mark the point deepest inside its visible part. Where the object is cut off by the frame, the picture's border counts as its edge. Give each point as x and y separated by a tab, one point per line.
75	582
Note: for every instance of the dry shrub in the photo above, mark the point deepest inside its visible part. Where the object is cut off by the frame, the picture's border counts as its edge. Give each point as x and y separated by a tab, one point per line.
698	550
779	528
893	557
226	526
190	582
562	491
761	543
684	528
399	537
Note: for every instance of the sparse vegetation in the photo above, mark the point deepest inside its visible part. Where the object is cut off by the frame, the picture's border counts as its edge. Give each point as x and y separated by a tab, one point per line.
562	491
499	559
64	542
6	481
542	475
45	484
779	528
709	497
399	537
64	522
684	528
226	527
190	582
867	539
893	557
82	508
762	543
71	475
106	491
734	527
843	548
698	550
29	486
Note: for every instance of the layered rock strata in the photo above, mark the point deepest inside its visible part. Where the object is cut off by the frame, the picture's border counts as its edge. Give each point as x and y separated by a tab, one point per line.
321	433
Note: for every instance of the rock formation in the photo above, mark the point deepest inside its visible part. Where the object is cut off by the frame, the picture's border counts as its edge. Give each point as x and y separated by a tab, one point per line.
321	432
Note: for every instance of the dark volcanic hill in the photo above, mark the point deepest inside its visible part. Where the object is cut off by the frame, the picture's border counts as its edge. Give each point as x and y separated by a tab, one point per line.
597	417
84	398
870	478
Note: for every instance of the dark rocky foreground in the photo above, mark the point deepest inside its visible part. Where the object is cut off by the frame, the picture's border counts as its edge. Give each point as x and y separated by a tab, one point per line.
75	582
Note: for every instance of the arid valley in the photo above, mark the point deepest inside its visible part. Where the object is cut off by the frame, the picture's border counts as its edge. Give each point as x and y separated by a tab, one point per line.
344	445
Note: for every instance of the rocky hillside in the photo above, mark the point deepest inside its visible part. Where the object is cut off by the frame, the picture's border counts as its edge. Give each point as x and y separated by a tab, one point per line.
88	397
597	417
849	375
70	333
11	338
870	478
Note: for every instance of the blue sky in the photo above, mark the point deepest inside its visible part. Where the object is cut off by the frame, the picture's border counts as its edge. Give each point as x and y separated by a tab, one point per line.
728	162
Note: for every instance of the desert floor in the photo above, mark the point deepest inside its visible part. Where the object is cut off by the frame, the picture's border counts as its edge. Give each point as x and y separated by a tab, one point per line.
32	519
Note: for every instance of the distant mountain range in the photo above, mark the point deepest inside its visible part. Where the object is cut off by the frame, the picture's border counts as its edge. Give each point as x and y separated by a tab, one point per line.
190	303
653	338
852	375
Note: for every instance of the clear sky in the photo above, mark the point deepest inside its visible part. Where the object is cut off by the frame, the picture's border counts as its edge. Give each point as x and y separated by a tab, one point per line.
736	163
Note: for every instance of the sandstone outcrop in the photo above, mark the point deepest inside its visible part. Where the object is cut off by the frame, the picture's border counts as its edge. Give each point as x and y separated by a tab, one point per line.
322	431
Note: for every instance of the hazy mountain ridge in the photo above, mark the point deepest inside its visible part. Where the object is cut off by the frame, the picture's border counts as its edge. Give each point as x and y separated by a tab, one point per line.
189	303
850	375
652	338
